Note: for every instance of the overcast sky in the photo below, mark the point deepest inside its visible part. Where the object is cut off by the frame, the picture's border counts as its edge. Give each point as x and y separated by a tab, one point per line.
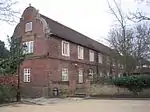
89	17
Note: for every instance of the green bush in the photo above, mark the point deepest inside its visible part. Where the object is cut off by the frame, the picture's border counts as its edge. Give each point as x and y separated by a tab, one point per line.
7	93
134	84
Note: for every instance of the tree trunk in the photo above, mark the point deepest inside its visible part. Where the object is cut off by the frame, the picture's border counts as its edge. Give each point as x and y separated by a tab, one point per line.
18	86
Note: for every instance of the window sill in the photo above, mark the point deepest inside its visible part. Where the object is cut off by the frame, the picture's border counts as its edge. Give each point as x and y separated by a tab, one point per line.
65	55
80	83
64	82
100	63
28	31
80	59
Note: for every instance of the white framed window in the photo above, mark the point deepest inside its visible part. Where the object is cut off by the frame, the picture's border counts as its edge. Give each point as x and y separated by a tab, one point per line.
91	55
100	58
137	67
80	75
119	75
80	52
28	47
28	27
108	59
108	74
26	74
91	72
65	48
64	74
119	66
31	46
100	74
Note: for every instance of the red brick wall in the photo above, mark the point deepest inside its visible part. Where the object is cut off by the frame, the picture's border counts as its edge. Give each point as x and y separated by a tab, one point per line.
48	62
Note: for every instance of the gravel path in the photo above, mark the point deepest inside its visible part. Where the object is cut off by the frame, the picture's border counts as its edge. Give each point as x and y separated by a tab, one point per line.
76	105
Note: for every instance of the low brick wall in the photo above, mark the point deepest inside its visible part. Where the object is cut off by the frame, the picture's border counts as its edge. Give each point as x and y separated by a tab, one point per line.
146	92
112	90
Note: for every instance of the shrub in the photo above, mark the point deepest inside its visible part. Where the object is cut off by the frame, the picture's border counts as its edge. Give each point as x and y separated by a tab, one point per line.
134	84
8	85
7	93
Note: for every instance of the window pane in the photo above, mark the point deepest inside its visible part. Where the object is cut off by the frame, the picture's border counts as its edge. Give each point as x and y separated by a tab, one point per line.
68	49
100	58
80	79
80	52
91	72
27	43
25	78
26	75
64	74
24	49
100	74
65	48
28	27
80	75
108	74
91	55
29	46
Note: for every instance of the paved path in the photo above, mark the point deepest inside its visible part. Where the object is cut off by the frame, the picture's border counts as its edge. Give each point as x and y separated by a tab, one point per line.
84	106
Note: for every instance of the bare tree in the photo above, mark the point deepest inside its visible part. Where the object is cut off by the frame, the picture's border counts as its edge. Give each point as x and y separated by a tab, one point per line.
124	47
132	43
139	15
120	38
137	45
141	43
7	12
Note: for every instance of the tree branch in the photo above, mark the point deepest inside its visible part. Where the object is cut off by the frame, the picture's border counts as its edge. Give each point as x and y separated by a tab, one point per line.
7	13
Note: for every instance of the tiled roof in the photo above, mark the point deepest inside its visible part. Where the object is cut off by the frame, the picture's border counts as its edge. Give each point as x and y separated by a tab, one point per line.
74	36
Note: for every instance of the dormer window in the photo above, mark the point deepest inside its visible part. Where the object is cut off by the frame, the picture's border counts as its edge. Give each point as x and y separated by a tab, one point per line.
28	27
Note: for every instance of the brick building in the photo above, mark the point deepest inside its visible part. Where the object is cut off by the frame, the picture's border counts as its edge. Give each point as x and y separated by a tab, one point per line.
59	56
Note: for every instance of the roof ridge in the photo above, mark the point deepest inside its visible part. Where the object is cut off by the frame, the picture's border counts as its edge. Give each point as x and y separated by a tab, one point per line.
74	30
90	42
